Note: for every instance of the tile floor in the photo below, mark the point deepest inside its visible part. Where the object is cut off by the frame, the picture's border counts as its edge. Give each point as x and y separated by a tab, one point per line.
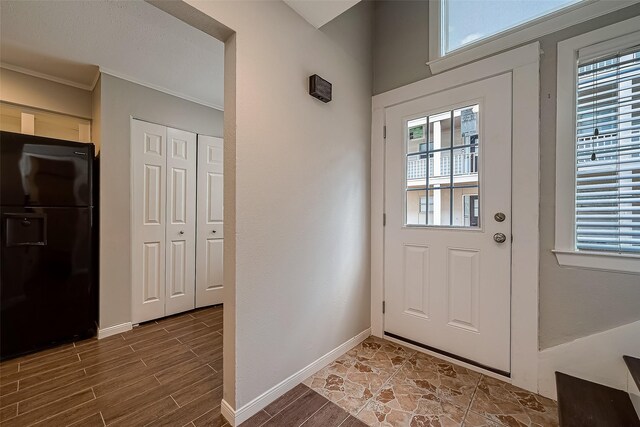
385	384
164	373
303	407
169	373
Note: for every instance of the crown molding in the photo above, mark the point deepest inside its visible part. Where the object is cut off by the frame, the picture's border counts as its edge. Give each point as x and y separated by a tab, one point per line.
160	89
49	77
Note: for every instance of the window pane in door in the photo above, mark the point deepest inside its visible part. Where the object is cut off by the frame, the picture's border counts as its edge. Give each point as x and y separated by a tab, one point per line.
416	135
439	210
417	210
467	21
440	131
466	125
465	166
466	207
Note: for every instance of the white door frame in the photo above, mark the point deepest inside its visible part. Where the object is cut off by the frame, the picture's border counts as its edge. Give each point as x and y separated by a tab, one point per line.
524	65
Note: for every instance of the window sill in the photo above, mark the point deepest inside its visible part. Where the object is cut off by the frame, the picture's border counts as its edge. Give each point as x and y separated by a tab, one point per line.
619	263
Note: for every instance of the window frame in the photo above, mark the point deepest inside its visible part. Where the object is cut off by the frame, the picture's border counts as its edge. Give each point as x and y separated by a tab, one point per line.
593	44
523	33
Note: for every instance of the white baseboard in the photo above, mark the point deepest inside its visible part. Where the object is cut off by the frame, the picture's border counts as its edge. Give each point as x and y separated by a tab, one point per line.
237	417
114	330
228	413
596	358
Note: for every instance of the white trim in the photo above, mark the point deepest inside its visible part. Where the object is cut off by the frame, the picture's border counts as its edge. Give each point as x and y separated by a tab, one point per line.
49	77
556	21
523	63
622	263
568	51
597	358
114	330
160	89
228	413
237	417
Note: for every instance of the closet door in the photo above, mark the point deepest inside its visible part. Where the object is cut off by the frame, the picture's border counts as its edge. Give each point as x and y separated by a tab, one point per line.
210	232
181	221
148	156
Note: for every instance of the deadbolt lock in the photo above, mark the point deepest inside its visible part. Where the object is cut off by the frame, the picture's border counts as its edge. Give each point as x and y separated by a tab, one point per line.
499	217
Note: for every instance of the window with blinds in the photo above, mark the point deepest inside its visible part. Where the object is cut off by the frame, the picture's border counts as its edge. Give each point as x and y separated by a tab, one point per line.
608	153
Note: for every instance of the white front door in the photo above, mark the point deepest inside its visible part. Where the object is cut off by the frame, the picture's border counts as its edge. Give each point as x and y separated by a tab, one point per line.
181	221
210	231
448	222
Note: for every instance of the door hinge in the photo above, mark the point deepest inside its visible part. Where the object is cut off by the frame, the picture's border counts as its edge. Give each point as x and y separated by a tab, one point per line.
383	307
384	219
384	132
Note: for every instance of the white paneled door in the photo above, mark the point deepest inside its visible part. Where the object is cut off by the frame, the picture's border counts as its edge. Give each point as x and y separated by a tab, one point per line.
175	236
181	221
149	164
210	231
448	222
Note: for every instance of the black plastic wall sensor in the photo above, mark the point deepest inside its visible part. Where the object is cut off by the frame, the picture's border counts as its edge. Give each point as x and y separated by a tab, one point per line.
319	88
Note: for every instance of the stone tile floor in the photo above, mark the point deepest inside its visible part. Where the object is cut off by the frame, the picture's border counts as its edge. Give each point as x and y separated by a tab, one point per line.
386	384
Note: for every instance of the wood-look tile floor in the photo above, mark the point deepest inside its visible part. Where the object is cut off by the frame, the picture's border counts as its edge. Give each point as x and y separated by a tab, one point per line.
164	373
302	407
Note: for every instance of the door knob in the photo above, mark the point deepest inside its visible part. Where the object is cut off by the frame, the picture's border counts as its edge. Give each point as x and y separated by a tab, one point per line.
213	231
499	238
499	217
181	232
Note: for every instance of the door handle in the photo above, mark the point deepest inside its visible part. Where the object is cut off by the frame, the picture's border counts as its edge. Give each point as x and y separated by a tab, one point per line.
213	231
181	232
499	237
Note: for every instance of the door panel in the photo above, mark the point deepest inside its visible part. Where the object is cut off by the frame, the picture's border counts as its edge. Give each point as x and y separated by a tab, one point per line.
463	286
181	221
416	280
148	171
448	171
209	251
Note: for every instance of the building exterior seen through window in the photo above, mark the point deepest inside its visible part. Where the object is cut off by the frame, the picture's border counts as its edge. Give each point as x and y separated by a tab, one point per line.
442	181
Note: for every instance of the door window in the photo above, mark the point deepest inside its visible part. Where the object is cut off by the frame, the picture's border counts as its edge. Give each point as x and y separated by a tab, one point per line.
442	153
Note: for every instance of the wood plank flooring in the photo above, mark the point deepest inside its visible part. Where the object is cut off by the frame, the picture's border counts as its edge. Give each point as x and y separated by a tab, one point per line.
164	373
302	407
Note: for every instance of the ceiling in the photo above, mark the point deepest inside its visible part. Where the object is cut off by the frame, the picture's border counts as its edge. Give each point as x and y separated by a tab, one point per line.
68	40
319	12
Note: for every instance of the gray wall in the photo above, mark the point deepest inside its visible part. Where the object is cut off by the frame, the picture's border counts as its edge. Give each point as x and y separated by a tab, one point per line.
23	89
573	302
302	196
121	100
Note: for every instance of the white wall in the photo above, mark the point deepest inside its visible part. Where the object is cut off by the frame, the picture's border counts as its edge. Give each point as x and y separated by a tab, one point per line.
301	207
121	100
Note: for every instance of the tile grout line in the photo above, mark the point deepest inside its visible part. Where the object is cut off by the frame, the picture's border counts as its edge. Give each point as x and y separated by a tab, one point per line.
318	410
274	415
382	386
174	401
464	418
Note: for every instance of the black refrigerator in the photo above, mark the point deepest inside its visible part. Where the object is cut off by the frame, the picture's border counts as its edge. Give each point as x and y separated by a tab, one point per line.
48	271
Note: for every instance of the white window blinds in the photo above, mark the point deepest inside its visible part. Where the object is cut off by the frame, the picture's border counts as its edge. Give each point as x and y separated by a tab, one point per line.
608	153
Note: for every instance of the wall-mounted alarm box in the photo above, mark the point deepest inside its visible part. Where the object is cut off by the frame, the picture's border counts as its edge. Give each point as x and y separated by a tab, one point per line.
319	88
